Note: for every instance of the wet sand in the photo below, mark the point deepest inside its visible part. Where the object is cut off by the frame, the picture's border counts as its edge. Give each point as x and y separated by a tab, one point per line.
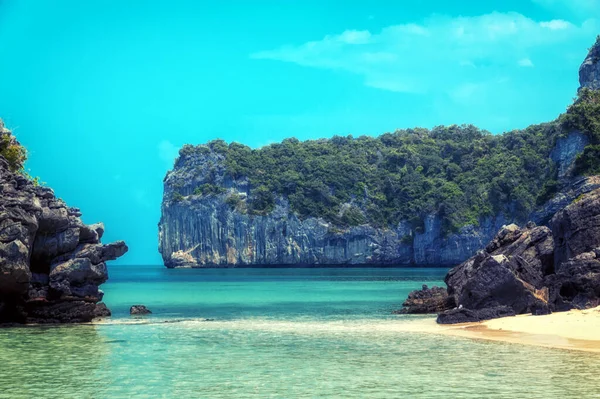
575	330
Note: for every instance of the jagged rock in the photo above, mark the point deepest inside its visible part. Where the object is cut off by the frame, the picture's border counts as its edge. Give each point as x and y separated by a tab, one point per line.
577	228
577	284
427	300
65	311
531	270
139	310
51	264
529	251
463	315
494	282
506	278
589	72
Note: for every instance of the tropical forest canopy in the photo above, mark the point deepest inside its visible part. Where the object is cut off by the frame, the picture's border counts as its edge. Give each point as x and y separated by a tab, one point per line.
460	172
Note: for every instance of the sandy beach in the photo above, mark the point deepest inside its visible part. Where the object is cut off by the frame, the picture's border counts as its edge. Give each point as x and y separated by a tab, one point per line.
575	330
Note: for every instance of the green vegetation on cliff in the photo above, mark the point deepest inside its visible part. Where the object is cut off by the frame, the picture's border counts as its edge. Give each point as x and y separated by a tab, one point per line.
14	153
584	116
460	172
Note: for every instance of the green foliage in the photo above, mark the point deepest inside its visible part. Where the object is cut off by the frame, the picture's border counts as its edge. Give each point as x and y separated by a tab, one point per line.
548	190
353	217
235	201
588	162
209	189
262	201
15	154
177	197
584	115
461	173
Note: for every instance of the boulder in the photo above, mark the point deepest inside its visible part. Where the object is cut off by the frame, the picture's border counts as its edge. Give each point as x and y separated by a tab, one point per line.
576	228
139	310
528	253
51	263
577	284
495	283
427	300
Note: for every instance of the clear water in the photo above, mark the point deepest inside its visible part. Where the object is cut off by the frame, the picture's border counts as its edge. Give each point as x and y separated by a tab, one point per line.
276	333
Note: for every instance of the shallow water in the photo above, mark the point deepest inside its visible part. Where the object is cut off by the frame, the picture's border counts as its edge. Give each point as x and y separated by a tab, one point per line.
277	333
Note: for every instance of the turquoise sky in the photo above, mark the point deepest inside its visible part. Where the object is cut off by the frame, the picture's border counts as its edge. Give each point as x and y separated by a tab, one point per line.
103	93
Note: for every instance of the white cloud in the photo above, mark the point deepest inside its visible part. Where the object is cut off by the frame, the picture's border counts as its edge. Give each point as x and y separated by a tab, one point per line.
526	62
443	54
167	152
556	24
354	37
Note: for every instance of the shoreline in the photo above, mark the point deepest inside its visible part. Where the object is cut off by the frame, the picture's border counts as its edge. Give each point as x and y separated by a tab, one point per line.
572	330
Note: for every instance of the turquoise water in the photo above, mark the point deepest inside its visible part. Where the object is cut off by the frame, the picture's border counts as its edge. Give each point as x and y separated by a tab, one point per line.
275	333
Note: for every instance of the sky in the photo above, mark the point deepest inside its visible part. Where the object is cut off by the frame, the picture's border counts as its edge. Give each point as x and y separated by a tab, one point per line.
104	93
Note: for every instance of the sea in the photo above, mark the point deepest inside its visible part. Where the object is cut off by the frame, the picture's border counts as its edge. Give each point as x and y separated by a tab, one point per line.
276	333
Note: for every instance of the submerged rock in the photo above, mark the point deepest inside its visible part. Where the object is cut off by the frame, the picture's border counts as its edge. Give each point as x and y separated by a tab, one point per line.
51	264
139	310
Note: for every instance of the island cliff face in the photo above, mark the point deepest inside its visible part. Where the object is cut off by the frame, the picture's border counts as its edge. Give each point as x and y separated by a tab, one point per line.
200	228
51	263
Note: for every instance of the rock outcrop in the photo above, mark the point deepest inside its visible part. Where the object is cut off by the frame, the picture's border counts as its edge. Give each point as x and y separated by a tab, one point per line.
577	228
51	263
198	230
589	72
525	270
139	310
427	300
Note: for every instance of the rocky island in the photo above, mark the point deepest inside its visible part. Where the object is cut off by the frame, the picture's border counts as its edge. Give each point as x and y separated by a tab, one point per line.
412	197
535	269
51	263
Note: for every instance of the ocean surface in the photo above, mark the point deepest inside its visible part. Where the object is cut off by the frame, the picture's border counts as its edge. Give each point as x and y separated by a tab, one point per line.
276	333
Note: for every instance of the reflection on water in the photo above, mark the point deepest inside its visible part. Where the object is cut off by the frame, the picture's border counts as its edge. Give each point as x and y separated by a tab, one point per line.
276	359
330	336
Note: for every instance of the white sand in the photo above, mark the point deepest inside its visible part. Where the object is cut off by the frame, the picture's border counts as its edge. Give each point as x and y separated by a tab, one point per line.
576	330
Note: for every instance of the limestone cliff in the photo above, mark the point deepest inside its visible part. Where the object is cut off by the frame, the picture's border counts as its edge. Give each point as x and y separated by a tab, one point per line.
199	230
589	73
51	263
213	227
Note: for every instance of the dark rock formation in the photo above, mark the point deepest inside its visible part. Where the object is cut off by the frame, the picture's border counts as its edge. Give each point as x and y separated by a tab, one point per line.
427	300
51	264
139	310
508	273
577	283
577	228
462	315
526	270
589	72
